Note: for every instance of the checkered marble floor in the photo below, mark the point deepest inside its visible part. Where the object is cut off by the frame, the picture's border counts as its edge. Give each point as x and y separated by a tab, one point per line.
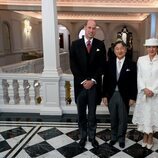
60	140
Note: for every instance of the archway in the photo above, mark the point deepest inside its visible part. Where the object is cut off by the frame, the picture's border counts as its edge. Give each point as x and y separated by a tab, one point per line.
64	38
6	37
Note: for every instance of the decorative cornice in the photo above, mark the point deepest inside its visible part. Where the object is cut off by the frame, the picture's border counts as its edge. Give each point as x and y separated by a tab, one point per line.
103	16
96	16
131	10
21	2
109	3
85	3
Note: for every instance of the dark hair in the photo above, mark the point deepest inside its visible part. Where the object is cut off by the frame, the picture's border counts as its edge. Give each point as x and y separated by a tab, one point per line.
119	41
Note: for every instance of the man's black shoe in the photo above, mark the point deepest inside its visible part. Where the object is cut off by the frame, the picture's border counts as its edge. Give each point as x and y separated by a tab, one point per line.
82	143
122	144
112	142
94	143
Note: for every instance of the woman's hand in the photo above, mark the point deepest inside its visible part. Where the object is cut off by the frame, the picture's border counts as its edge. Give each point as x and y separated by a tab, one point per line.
148	92
131	102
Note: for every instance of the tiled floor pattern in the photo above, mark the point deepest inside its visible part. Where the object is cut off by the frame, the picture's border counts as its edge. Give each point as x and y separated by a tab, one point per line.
60	140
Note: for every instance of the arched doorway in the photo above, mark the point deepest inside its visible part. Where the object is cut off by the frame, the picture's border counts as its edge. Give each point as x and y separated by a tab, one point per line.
6	38
64	38
64	45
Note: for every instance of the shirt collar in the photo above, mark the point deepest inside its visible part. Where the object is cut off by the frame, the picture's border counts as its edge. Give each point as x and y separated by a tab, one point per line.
86	40
121	60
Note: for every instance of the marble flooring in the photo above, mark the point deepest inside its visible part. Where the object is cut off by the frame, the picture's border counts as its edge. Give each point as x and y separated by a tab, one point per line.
32	136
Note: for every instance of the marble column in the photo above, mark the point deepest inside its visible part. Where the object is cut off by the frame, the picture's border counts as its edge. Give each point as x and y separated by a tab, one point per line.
51	73
156	25
154	18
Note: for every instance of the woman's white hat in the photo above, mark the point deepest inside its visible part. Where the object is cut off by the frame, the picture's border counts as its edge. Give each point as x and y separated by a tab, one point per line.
151	42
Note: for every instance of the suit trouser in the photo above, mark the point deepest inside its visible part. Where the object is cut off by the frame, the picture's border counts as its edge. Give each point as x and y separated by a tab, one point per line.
87	98
118	116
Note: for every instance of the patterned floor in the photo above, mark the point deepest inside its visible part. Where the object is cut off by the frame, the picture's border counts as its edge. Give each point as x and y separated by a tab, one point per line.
20	139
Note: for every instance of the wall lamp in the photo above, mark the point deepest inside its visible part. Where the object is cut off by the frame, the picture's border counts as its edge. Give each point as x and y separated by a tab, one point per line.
27	27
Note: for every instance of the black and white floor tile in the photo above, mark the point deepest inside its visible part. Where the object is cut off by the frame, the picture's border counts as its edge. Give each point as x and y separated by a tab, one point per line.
20	139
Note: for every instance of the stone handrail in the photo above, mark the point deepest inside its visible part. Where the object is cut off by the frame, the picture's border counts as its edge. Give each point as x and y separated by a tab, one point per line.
23	93
28	66
20	91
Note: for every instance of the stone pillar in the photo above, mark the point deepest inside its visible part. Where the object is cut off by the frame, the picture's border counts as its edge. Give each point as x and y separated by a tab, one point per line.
156	25
50	76
153	33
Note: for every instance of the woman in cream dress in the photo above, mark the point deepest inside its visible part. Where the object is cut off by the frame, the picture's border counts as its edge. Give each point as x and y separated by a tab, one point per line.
146	110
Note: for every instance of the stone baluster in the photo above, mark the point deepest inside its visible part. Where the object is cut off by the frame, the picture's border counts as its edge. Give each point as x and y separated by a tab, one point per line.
1	92
26	86
31	92
37	87
72	93
5	95
62	92
21	92
10	91
16	92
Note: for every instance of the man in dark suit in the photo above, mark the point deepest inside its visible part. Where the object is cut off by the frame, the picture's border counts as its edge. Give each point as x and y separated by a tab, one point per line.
87	68
119	91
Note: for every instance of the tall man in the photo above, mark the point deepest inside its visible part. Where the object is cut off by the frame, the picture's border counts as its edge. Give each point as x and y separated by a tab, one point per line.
87	59
119	91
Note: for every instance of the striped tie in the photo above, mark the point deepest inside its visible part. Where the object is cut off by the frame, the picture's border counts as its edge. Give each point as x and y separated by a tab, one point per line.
88	46
118	69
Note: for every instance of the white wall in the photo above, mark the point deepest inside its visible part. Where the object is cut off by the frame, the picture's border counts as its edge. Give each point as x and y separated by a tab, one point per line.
19	41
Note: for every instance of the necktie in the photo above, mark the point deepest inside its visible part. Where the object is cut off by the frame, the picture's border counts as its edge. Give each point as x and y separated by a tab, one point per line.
119	66
88	46
118	69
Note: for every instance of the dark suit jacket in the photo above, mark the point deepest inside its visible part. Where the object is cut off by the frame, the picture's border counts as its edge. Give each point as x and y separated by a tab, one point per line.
87	66
127	82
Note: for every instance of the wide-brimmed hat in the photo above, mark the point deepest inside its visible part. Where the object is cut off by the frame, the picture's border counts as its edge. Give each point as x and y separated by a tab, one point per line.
151	42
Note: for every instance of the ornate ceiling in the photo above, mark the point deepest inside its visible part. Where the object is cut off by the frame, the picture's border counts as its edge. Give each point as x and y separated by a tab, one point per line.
133	10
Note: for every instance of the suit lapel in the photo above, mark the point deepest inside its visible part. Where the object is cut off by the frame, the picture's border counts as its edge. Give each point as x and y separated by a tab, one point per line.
124	67
114	69
83	52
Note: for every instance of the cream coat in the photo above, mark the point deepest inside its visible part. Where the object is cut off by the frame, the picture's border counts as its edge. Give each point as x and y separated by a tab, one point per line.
146	109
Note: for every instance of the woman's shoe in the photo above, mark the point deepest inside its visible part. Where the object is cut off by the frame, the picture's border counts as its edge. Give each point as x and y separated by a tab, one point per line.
144	144
149	146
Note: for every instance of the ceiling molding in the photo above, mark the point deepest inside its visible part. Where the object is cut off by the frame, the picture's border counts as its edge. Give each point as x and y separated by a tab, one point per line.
153	4
21	2
131	10
109	3
103	16
84	16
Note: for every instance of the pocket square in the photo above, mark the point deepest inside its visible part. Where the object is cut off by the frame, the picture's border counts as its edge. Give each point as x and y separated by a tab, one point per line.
98	50
128	70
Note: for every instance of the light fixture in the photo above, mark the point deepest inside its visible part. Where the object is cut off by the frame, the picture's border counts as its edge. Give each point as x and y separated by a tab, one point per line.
27	27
